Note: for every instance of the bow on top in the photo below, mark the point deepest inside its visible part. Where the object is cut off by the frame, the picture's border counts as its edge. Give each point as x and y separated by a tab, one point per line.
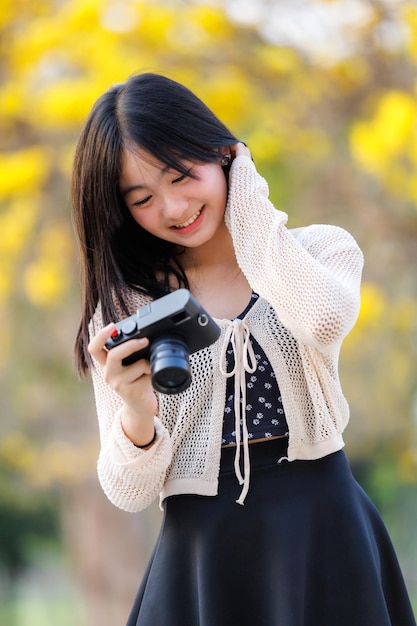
237	334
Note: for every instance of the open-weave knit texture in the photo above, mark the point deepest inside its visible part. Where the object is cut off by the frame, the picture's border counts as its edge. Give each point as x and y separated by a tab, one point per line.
308	280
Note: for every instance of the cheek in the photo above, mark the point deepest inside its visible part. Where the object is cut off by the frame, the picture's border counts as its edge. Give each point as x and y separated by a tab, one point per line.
217	186
144	220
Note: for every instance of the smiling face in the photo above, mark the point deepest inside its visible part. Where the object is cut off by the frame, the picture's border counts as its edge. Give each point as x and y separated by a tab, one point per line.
187	210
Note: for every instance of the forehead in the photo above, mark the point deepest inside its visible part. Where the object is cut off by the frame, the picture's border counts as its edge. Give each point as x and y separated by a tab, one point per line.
139	167
135	157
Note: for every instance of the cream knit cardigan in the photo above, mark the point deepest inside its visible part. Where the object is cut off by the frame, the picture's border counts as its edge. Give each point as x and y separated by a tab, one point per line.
308	280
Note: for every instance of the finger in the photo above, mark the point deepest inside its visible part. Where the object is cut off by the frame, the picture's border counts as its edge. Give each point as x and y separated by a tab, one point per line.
119	375
240	149
128	381
96	346
126	349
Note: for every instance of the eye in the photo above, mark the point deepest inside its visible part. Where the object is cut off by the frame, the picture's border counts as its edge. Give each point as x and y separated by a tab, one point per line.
182	177
142	202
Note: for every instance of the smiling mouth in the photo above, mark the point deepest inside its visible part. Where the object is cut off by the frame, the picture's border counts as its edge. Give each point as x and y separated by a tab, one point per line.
190	221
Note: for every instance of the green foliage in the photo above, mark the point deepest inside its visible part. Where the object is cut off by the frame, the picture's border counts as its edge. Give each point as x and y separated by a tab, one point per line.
27	518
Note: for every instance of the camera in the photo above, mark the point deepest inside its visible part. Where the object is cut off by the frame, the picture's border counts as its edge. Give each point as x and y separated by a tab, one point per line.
176	325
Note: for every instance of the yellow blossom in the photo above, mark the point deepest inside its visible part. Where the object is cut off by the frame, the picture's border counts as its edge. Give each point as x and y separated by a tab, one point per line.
23	171
377	143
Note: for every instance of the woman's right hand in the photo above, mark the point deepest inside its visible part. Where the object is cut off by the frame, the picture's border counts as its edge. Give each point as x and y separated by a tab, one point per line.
131	382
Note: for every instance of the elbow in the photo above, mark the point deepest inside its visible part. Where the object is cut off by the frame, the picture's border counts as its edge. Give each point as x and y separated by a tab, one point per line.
335	323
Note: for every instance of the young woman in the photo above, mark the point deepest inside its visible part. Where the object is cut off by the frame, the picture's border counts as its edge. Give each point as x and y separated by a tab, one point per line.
264	524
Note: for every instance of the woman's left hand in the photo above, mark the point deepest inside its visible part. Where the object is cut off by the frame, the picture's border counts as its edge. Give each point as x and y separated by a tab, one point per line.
239	149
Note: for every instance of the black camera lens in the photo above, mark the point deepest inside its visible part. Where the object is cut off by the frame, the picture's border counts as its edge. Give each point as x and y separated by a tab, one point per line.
170	364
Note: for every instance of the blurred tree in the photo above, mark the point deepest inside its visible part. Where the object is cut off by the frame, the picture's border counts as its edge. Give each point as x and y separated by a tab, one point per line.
332	128
25	516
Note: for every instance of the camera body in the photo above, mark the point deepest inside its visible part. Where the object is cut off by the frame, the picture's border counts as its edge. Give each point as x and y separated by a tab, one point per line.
176	326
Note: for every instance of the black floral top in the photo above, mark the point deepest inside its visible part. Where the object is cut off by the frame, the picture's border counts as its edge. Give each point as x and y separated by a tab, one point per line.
265	415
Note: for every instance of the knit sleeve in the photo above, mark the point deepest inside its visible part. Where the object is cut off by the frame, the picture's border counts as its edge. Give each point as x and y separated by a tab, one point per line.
311	276
130	477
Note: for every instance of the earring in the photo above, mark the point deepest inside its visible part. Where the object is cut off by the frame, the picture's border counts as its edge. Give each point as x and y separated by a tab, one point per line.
226	158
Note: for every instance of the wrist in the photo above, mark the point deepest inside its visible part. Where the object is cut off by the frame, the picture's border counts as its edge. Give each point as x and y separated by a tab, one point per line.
147	445
141	432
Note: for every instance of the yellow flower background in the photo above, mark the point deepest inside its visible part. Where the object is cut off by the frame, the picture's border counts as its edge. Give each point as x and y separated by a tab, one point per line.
333	128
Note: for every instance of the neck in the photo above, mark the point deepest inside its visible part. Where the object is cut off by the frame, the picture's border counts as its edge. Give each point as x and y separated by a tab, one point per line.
215	278
218	252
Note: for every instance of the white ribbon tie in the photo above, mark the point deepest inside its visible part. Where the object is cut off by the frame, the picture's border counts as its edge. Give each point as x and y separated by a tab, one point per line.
237	334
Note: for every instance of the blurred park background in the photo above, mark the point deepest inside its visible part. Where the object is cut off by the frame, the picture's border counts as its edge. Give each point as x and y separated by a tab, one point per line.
324	93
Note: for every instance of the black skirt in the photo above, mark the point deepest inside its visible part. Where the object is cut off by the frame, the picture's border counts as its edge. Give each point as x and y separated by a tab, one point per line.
308	548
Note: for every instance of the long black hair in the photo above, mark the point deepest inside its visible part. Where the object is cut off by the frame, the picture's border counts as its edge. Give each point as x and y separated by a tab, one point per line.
166	119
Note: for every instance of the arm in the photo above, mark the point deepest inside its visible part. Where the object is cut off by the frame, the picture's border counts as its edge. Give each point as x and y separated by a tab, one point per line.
311	276
131	477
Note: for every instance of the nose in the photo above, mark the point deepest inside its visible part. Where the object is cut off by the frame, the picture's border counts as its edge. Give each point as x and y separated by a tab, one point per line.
175	207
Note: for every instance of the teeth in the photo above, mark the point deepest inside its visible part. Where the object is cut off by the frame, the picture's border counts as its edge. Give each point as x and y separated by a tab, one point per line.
190	221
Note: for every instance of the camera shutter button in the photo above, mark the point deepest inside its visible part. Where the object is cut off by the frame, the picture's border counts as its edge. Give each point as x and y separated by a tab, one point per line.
129	327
